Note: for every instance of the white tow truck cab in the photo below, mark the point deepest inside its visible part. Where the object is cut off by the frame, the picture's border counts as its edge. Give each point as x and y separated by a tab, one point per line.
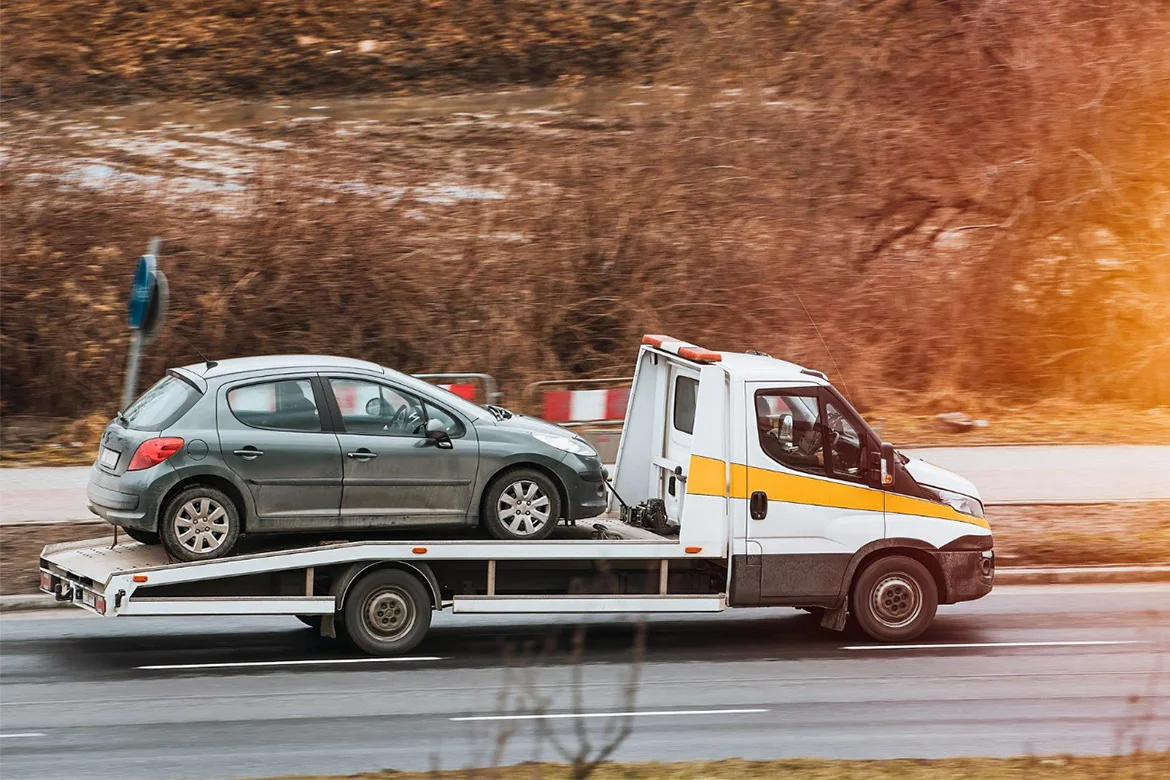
741	481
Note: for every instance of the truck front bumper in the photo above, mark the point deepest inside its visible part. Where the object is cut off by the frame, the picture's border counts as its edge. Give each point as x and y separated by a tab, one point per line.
967	575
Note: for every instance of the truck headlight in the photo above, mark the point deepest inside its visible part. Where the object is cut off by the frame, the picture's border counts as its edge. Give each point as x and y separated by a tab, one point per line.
956	501
566	444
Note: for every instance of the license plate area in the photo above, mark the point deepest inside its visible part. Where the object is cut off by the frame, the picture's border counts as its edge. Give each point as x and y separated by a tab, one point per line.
109	458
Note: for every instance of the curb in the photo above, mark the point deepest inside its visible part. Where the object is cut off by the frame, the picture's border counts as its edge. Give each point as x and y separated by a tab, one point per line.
1054	575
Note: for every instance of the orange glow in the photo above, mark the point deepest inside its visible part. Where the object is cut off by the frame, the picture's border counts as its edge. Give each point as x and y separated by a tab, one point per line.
699	355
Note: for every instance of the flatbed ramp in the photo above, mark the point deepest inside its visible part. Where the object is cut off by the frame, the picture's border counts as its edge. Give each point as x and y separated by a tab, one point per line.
603	566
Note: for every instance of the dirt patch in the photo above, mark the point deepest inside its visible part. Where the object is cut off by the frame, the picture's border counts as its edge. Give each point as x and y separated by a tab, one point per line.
1024	536
1141	766
20	550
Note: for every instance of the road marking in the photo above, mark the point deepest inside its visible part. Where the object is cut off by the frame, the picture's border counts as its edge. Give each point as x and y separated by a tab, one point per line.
642	714
23	734
963	645
302	662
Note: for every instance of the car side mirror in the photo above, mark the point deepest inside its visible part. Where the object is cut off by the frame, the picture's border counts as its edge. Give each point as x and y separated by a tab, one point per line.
437	433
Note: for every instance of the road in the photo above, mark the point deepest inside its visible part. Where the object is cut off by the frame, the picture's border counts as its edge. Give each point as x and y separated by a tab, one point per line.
1058	677
1020	475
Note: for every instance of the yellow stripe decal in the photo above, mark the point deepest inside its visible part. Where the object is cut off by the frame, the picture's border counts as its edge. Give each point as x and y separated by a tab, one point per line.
708	477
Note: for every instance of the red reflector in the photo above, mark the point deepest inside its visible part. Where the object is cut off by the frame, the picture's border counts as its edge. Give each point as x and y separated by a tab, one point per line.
153	452
139	578
99	603
693	550
46	582
419	550
654	340
699	355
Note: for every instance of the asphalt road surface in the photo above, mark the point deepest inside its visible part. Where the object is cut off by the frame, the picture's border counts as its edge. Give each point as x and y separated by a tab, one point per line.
1053	669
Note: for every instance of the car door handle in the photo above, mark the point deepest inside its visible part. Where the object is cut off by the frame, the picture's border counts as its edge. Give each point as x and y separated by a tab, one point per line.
248	453
758	505
362	454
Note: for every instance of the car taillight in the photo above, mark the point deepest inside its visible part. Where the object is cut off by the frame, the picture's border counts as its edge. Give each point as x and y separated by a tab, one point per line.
153	452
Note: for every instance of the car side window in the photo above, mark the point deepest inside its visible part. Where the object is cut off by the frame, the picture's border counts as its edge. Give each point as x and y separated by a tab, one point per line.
283	405
790	431
376	409
450	421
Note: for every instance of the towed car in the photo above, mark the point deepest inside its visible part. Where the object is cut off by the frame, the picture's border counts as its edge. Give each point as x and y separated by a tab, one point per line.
311	444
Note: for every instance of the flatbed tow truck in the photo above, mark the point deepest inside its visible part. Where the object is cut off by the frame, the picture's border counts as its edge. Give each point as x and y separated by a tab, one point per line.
741	481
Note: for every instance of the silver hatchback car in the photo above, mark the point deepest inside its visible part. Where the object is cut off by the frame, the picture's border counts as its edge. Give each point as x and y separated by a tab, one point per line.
310	444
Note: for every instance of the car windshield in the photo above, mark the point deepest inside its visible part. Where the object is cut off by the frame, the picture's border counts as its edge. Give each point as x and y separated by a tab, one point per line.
160	406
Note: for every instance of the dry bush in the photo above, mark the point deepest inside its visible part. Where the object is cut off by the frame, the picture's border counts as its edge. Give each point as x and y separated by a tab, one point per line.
967	198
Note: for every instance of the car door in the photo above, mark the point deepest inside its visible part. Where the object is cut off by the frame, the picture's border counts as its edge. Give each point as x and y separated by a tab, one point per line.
275	434
393	474
810	508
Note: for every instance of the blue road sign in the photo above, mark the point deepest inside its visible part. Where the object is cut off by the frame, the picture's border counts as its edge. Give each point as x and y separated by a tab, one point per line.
142	291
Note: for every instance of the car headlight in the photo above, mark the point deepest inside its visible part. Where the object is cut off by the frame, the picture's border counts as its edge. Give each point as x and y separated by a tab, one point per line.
566	444
957	501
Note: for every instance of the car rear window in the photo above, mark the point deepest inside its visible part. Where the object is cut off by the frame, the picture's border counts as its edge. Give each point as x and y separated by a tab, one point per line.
161	406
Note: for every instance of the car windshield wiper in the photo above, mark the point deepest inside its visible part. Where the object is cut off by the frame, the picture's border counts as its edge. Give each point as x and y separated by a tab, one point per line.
500	412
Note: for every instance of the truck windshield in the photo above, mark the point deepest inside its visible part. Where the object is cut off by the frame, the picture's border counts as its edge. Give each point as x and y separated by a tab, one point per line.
160	406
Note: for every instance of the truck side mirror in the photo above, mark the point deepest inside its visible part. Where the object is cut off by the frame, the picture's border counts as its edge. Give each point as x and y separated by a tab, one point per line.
887	465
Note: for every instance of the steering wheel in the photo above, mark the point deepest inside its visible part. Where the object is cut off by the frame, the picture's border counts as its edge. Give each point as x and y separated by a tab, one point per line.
399	415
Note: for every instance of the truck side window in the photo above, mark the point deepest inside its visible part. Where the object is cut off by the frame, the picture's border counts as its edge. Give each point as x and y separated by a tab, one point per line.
789	425
845	443
686	393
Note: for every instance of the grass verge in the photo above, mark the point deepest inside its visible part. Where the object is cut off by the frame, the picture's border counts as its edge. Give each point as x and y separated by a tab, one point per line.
1128	767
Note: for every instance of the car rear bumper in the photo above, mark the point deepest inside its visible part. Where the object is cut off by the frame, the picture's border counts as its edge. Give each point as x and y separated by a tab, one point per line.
128	501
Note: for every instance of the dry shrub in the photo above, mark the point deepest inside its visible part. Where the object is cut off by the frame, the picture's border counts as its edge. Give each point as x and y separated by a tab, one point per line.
967	198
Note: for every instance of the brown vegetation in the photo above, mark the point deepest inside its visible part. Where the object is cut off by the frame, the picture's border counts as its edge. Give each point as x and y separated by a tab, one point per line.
969	199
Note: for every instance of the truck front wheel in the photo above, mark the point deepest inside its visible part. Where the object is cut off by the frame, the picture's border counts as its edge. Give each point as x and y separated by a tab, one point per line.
387	612
894	599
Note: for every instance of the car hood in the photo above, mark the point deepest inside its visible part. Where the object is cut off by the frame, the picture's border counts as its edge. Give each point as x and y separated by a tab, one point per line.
520	422
930	475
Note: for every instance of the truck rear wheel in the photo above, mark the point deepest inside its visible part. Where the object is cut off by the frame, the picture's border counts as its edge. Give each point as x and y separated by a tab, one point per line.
894	599
387	612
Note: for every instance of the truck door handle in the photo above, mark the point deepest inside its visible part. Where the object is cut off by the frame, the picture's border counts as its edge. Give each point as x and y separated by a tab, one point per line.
758	505
248	453
363	454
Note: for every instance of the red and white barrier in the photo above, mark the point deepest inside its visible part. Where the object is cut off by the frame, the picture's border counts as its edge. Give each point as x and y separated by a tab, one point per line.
463	390
570	406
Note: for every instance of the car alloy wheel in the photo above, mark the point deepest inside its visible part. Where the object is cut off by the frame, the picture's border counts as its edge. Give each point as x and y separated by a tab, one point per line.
201	525
523	508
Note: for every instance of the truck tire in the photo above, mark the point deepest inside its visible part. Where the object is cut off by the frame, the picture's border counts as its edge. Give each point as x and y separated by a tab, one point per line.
894	599
387	612
523	504
199	524
142	537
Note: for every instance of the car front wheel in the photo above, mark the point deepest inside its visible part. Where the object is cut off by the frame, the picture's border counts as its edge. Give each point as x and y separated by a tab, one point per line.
200	524
522	504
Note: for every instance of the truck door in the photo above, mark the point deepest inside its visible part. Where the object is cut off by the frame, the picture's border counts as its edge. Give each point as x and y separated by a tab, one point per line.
680	428
810	509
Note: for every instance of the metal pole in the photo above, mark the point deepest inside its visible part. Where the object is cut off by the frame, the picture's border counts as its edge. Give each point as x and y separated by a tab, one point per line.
132	369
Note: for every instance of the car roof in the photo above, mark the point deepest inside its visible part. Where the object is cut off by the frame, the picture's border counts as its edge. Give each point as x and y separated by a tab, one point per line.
264	363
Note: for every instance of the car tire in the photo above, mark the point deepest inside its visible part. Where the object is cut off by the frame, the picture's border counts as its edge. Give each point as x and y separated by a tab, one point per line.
895	599
387	612
523	504
142	537
200	524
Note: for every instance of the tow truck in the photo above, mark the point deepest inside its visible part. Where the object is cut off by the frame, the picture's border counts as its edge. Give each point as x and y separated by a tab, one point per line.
741	481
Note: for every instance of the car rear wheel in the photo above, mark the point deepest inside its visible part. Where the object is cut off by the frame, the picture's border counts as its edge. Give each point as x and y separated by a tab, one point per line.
387	612
894	599
522	504
200	524
142	537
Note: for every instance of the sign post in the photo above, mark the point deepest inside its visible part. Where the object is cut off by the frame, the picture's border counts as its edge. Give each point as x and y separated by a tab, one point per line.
145	312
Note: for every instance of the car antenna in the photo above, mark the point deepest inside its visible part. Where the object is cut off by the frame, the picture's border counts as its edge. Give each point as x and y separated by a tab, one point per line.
210	363
837	368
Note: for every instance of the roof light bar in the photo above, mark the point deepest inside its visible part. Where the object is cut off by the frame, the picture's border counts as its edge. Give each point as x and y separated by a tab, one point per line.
683	349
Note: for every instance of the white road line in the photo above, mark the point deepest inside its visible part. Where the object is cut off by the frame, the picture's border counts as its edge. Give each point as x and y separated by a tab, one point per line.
646	713
302	662
964	645
23	734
